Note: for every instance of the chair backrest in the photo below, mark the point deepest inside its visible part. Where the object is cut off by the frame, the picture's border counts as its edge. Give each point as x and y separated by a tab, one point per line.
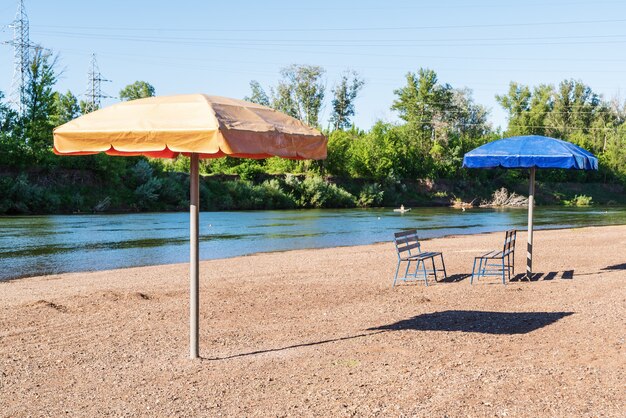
407	241
509	242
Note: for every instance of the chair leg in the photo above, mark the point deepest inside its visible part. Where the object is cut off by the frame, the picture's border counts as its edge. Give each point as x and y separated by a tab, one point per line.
417	267
432	259
513	255
425	273
483	267
473	270
508	265
481	270
406	272
480	266
509	271
445	274
396	276
503	276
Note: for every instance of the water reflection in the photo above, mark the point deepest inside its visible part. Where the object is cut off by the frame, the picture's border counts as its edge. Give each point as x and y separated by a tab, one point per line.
53	244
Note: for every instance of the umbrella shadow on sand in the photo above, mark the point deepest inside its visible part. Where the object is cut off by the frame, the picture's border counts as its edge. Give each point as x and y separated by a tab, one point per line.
507	323
608	269
308	344
484	322
616	267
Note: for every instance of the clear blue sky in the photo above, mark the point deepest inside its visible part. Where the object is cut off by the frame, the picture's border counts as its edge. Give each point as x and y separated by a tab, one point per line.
218	47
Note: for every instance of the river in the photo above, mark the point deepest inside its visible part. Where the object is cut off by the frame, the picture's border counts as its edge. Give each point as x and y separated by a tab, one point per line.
38	245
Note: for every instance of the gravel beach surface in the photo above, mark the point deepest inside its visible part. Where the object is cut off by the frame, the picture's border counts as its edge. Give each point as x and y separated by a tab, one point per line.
322	333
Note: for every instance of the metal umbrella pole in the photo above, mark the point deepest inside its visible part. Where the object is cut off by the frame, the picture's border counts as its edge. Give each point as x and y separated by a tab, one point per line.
194	258
531	205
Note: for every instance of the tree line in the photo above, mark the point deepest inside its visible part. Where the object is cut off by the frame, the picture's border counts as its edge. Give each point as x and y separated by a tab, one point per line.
416	160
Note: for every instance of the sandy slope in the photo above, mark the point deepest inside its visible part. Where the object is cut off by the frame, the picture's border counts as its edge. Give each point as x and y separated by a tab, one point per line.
322	333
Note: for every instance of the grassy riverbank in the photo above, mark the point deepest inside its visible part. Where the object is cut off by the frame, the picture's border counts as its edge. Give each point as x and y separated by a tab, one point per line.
138	185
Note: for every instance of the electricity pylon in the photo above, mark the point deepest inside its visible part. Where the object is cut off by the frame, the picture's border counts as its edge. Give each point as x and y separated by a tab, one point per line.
94	95
21	58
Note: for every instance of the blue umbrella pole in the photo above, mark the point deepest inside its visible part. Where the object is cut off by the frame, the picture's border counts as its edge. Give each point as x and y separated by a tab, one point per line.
531	206
194	258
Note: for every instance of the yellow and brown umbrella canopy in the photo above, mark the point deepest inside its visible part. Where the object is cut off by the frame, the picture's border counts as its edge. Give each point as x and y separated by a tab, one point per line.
210	126
196	125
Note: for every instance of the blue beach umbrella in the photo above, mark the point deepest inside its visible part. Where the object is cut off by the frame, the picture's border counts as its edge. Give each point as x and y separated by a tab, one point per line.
532	152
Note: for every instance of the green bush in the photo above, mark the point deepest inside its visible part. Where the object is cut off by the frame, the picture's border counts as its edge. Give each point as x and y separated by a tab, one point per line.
277	165
579	200
249	170
147	194
275	197
371	195
142	172
20	196
317	193
173	193
340	145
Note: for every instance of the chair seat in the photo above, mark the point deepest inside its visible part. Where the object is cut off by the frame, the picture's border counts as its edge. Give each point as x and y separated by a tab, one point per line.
491	254
421	256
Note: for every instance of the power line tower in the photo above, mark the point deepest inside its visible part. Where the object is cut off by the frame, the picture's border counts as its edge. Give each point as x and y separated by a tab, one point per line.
21	57
94	93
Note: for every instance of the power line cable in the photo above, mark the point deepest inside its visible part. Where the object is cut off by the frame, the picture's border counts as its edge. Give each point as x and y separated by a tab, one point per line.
345	42
392	28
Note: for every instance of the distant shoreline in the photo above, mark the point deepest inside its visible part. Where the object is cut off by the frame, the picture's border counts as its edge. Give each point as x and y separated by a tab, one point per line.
390	208
446	236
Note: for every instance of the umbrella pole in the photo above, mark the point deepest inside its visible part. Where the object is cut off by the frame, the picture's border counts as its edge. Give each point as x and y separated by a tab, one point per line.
531	205
194	259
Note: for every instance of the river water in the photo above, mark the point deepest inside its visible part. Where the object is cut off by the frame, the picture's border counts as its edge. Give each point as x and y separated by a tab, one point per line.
37	245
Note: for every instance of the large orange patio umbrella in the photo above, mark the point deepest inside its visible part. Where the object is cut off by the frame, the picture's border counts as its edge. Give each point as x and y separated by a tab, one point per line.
196	125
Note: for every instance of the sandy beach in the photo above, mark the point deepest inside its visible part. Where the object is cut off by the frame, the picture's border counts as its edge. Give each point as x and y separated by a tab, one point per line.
322	333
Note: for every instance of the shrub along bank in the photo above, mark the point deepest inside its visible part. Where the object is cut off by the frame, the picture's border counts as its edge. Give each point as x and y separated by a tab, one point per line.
141	186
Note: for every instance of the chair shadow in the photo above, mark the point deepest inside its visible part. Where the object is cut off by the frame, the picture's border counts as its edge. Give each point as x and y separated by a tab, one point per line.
477	321
616	267
454	278
521	277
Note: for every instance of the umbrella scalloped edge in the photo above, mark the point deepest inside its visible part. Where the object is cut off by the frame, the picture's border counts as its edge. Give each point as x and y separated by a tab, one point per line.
167	153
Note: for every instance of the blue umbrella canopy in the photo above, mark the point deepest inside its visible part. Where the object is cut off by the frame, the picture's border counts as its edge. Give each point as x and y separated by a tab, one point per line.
530	151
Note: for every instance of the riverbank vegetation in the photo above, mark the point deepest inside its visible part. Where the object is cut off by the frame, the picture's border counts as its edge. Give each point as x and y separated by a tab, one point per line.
415	162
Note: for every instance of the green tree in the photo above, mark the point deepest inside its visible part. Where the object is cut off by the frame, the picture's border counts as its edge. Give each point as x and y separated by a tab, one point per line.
300	92
66	108
425	104
614	157
575	105
284	101
86	107
137	90
383	154
13	149
40	99
461	117
8	117
344	95
258	95
517	103
572	112
339	160
422	98
540	106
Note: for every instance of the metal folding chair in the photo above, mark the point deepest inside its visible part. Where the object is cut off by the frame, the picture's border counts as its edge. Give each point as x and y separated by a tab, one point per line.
488	264
409	251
